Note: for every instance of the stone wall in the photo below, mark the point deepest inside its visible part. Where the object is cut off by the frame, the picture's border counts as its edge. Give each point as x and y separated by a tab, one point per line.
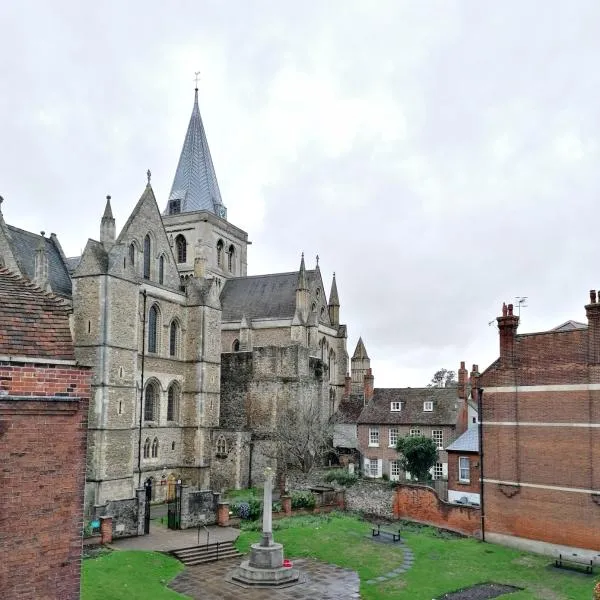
125	516
372	498
198	507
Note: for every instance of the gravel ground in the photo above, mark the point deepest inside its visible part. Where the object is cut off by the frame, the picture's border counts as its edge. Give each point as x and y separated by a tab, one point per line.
483	591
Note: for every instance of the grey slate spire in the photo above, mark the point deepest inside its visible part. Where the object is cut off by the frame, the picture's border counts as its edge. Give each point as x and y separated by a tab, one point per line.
195	185
333	296
361	351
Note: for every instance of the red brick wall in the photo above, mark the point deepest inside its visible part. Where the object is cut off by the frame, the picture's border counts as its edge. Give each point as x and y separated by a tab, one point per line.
422	504
42	452
474	472
543	455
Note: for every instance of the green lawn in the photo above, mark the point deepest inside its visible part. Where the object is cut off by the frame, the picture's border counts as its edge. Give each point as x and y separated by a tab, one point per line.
129	575
443	563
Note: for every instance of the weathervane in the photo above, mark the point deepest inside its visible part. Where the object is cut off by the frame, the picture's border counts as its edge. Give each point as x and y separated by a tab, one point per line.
317	260
196	77
148	175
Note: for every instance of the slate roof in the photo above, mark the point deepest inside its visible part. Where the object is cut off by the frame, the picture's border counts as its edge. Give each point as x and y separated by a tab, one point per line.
360	351
261	296
195	182
24	244
445	407
349	409
569	326
72	263
467	442
33	323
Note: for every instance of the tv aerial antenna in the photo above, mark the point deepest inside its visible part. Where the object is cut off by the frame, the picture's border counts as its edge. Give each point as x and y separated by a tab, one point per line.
521	302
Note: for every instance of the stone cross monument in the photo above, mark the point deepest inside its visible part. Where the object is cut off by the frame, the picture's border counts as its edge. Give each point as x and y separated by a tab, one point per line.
267	530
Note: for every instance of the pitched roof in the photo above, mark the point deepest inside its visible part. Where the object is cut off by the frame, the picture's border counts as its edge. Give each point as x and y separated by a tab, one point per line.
24	244
467	442
32	322
569	326
261	296
378	411
349	409
195	183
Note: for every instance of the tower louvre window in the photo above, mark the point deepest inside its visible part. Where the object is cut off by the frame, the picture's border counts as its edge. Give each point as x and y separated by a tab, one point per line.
174	207
230	257
220	254
147	257
161	270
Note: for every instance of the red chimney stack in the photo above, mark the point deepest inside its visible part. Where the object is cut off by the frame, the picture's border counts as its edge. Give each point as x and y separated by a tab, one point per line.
507	325
368	385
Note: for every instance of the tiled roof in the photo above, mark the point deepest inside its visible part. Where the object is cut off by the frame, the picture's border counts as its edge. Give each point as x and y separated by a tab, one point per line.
33	323
349	409
24	244
261	296
467	442
378	411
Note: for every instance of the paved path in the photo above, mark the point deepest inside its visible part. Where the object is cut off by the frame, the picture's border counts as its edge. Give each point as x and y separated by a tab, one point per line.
162	539
323	582
407	563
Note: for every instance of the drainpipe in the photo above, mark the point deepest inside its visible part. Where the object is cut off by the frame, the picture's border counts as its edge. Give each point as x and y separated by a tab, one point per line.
481	503
142	394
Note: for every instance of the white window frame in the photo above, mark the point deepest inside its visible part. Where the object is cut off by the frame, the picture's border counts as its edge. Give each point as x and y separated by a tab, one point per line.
439	442
395	470
415	432
461	469
373	462
396	432
437	471
428	406
395	406
373	435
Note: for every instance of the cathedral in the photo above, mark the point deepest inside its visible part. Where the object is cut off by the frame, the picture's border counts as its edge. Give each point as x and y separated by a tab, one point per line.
194	362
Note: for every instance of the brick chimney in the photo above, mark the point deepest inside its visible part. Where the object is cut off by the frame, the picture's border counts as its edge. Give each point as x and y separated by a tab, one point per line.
507	325
592	311
474	381
462	418
368	385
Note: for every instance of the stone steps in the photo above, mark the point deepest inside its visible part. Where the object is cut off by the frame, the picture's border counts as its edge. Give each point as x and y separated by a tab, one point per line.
197	555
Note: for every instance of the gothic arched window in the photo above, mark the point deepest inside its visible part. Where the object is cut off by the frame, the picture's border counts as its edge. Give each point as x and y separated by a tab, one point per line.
151	403
155	448
174	339
132	254
230	257
173	403
153	329
221	446
147	448
181	249
147	257
220	254
161	270
236	345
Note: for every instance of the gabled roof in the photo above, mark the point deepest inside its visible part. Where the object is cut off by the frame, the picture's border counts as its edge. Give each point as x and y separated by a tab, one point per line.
24	244
467	442
569	326
261	296
378	411
33	323
195	183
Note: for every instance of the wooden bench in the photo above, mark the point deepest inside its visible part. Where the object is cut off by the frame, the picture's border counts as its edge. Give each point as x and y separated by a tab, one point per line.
576	562
378	531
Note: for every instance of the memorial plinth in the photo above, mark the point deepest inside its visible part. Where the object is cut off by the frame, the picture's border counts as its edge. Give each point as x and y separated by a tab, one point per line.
265	567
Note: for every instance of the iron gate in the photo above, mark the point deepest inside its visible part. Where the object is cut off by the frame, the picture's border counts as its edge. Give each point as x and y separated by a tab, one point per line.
174	508
148	488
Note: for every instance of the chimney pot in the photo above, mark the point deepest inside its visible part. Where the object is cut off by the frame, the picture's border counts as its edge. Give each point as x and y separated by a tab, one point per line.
462	364
504	309
592	296
510	309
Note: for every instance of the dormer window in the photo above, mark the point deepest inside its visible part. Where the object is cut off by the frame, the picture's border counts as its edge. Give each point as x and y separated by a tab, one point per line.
428	406
395	406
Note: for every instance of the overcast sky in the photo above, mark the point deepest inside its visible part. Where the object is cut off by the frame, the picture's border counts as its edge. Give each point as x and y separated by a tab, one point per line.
441	157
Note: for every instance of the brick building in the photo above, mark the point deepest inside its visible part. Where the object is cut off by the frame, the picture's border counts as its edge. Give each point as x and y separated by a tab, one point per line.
541	436
464	468
43	416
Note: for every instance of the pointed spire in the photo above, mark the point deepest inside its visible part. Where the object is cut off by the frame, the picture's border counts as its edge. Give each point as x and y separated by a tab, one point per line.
195	184
302	279
361	351
333	295
107	209
107	226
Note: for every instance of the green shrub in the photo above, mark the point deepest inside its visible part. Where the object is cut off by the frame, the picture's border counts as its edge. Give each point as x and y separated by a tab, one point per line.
303	500
341	476
277	507
385	477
